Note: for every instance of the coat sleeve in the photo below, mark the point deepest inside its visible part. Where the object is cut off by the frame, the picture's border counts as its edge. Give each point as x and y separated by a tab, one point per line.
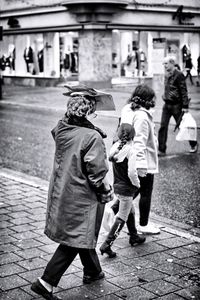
140	141
183	90
132	171
95	160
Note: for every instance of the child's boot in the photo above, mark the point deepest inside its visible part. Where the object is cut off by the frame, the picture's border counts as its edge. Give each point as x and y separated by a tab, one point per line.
113	234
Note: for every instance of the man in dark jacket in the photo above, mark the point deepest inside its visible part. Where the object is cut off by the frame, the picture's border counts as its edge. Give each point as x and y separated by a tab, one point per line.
176	101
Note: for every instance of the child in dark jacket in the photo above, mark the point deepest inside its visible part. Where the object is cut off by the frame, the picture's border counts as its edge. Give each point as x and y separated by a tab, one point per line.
126	183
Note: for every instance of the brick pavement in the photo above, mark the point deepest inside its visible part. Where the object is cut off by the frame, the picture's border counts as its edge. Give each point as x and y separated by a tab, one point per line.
165	267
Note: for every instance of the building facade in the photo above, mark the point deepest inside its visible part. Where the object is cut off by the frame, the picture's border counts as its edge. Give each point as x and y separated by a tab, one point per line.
95	42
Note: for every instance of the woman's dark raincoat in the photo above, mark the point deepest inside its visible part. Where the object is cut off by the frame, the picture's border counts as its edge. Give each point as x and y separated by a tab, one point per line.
73	213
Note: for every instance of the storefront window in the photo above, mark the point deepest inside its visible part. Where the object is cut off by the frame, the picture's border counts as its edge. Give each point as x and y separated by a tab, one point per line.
129	56
68	54
141	53
35	55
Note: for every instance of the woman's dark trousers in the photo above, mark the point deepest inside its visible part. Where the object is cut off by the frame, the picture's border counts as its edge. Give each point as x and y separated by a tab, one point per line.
167	112
145	191
62	259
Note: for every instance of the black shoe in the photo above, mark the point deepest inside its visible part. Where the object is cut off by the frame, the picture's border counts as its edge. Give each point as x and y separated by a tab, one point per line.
106	248
90	279
39	289
194	149
136	239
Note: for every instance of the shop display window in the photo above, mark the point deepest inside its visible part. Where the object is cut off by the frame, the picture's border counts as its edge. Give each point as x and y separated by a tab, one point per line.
31	55
68	54
129	54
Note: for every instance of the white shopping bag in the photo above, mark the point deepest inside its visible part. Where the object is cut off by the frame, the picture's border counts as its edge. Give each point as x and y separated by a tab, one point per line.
187	128
108	217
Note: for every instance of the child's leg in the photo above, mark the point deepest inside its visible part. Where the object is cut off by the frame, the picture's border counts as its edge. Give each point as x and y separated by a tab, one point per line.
125	205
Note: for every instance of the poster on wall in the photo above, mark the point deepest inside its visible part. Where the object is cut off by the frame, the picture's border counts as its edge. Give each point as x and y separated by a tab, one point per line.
158	54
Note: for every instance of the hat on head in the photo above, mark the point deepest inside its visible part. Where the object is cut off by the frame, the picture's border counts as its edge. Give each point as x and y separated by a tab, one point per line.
103	100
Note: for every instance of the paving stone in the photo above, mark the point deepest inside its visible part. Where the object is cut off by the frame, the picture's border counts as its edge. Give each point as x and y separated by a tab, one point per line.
174	242
5	218
39	224
10	269
6	232
4	211
20	214
11	282
153	247
159	258
135	293
117	268
194	247
15	294
6	239
73	269
32	263
30	253
50	249
190	293
32	275
40	217
170	296
190	262
125	281
27	243
9	258
101	287
21	221
23	228
149	275
160	287
5	224
25	235
171	268
37	204
70	281
180	252
17	208
109	297
79	293
7	248
186	279
139	263
132	252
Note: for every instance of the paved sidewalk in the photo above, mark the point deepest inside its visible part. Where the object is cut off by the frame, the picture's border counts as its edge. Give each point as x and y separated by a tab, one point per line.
166	267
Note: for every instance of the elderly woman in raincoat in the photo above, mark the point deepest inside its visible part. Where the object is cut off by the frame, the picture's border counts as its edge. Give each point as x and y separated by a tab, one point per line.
77	195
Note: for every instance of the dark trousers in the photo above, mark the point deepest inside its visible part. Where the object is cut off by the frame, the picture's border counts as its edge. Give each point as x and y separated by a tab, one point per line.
190	76
62	259
167	112
145	191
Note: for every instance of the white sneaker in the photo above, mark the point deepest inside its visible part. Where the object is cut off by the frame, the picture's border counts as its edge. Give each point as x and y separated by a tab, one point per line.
148	229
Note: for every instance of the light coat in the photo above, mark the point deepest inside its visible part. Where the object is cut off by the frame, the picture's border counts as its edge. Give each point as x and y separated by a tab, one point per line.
145	141
73	213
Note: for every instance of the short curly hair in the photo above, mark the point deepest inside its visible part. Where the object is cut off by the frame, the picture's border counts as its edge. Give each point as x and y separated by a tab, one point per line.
80	106
143	96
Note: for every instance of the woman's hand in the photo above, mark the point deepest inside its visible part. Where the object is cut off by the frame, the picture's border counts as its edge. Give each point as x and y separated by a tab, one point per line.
142	172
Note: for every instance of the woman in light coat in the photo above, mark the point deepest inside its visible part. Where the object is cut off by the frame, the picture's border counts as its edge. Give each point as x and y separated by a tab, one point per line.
138	112
77	195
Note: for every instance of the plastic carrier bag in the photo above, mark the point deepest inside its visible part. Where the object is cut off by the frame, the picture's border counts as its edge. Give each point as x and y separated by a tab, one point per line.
187	129
108	217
